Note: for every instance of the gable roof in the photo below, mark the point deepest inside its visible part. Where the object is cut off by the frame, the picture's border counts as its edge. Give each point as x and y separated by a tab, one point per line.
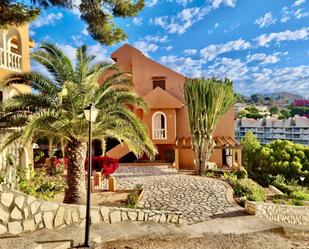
139	52
159	98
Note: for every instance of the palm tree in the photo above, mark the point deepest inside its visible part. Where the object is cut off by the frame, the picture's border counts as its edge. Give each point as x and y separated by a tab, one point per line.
207	101
55	107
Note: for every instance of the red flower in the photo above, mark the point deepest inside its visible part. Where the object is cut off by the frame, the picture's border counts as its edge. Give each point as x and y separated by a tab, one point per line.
105	164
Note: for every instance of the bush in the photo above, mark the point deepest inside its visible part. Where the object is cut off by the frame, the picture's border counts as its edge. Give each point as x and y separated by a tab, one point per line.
250	189
132	198
241	173
299	195
41	185
297	202
279	183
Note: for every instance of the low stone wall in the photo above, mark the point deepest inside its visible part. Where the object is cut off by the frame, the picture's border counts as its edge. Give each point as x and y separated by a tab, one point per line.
22	213
288	214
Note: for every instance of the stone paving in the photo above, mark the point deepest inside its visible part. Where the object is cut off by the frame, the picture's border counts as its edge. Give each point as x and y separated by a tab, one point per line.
196	197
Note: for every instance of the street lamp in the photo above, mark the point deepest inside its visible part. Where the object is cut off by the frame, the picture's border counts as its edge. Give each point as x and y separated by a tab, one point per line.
302	179
90	114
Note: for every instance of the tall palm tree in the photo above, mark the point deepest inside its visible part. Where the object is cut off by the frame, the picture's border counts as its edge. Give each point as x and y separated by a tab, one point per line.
207	101
55	108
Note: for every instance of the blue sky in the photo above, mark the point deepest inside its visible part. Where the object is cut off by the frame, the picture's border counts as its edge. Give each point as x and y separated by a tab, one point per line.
263	46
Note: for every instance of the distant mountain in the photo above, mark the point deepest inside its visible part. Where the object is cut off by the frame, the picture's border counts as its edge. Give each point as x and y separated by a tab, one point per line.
288	96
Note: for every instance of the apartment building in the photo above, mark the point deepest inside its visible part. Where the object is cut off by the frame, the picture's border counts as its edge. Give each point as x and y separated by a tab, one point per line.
295	129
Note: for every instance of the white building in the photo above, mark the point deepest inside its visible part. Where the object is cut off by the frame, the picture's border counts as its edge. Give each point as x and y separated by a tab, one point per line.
268	129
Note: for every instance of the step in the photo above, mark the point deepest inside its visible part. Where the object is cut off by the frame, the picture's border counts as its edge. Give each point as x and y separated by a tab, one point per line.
18	242
187	172
55	244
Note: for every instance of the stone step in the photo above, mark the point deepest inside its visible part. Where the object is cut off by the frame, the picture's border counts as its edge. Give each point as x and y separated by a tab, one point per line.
187	172
18	242
55	244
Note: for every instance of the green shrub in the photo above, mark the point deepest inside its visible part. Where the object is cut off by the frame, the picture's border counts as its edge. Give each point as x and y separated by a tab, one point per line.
40	185
297	202
299	195
241	173
279	183
250	189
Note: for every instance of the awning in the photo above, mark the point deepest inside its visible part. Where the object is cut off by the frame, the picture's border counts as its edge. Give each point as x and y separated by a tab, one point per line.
221	142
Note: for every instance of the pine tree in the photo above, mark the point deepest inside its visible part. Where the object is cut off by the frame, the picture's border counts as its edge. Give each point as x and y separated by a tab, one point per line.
98	14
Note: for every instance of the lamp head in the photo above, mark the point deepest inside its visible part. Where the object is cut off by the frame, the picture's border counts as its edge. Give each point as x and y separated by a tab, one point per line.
91	113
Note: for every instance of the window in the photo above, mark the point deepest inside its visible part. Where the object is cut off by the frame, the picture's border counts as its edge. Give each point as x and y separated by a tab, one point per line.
114	59
159	126
158	82
1	96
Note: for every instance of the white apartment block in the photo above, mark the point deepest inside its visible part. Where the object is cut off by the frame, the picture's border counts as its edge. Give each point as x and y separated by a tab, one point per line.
294	129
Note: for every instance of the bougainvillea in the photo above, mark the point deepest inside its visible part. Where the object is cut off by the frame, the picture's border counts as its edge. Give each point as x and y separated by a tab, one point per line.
105	164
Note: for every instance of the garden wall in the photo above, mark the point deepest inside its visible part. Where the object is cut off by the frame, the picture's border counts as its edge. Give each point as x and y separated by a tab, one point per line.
288	214
22	213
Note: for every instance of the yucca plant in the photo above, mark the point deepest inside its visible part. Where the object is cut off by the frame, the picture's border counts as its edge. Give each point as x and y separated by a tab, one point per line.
55	107
207	101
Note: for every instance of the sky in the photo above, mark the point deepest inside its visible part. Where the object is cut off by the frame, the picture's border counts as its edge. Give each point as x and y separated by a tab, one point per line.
262	45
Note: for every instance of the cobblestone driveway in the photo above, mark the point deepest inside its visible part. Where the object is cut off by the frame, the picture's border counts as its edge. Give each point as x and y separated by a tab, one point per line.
196	197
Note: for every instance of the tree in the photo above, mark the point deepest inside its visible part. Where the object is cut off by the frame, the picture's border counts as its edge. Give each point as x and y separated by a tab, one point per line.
55	108
284	114
240	98
250	151
97	14
257	98
274	110
207	101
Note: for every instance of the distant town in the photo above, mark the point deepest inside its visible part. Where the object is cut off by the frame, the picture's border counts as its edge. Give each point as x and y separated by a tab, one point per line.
274	116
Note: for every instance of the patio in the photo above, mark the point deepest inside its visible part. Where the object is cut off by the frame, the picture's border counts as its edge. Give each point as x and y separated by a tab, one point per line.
198	198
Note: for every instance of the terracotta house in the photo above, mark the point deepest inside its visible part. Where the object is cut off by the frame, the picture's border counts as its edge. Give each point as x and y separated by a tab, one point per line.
15	48
167	117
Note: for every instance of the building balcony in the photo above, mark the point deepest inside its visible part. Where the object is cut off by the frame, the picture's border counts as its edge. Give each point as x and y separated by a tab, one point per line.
10	60
159	134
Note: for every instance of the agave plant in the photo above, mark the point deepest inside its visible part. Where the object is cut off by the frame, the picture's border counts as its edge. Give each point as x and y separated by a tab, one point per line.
55	107
207	101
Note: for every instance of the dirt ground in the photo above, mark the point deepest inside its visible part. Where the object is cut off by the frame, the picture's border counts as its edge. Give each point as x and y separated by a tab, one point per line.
104	198
265	240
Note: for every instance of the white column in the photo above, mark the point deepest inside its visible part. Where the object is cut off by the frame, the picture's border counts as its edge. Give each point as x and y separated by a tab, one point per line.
4	33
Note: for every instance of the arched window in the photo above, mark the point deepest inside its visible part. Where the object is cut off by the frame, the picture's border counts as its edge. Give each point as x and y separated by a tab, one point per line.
159	127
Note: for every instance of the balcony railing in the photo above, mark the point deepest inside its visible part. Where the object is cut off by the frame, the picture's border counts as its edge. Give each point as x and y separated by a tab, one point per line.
10	60
159	134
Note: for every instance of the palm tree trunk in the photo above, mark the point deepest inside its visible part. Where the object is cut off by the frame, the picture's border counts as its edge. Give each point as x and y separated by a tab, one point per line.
76	187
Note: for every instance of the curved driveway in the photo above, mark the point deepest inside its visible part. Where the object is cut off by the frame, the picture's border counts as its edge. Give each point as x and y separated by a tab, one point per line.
196	197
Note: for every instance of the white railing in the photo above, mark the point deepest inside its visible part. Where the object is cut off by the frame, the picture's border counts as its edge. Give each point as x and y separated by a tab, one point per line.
10	60
159	134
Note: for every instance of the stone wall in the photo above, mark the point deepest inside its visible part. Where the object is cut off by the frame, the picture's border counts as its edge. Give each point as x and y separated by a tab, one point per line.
23	213
288	214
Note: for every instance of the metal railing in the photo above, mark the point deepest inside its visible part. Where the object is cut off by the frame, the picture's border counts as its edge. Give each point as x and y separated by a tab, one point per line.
10	60
159	134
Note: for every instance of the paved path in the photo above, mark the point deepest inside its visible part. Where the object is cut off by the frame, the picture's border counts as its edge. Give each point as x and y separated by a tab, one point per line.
196	197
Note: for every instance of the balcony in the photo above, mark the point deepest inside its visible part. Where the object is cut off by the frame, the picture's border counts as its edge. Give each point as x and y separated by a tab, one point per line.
159	134
10	60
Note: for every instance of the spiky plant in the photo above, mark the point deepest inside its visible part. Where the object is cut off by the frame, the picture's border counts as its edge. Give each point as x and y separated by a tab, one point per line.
55	107
207	101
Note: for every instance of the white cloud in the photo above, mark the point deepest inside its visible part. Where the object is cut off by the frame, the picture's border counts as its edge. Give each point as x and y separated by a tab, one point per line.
184	65
217	3
263	59
85	31
216	25
266	20
286	14
300	14
299	2
138	21
49	19
233	27
182	21
31	32
233	69
75	9
146	47
168	48
288	35
156	38
77	40
151	3
212	51
190	51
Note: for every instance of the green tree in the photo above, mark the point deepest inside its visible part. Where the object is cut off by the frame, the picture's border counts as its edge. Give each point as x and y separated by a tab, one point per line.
250	151
240	98
207	101
252	109
97	14
274	110
284	114
55	108
257	98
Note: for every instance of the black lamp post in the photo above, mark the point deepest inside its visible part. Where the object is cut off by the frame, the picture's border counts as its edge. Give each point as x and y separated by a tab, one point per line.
90	114
302	179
